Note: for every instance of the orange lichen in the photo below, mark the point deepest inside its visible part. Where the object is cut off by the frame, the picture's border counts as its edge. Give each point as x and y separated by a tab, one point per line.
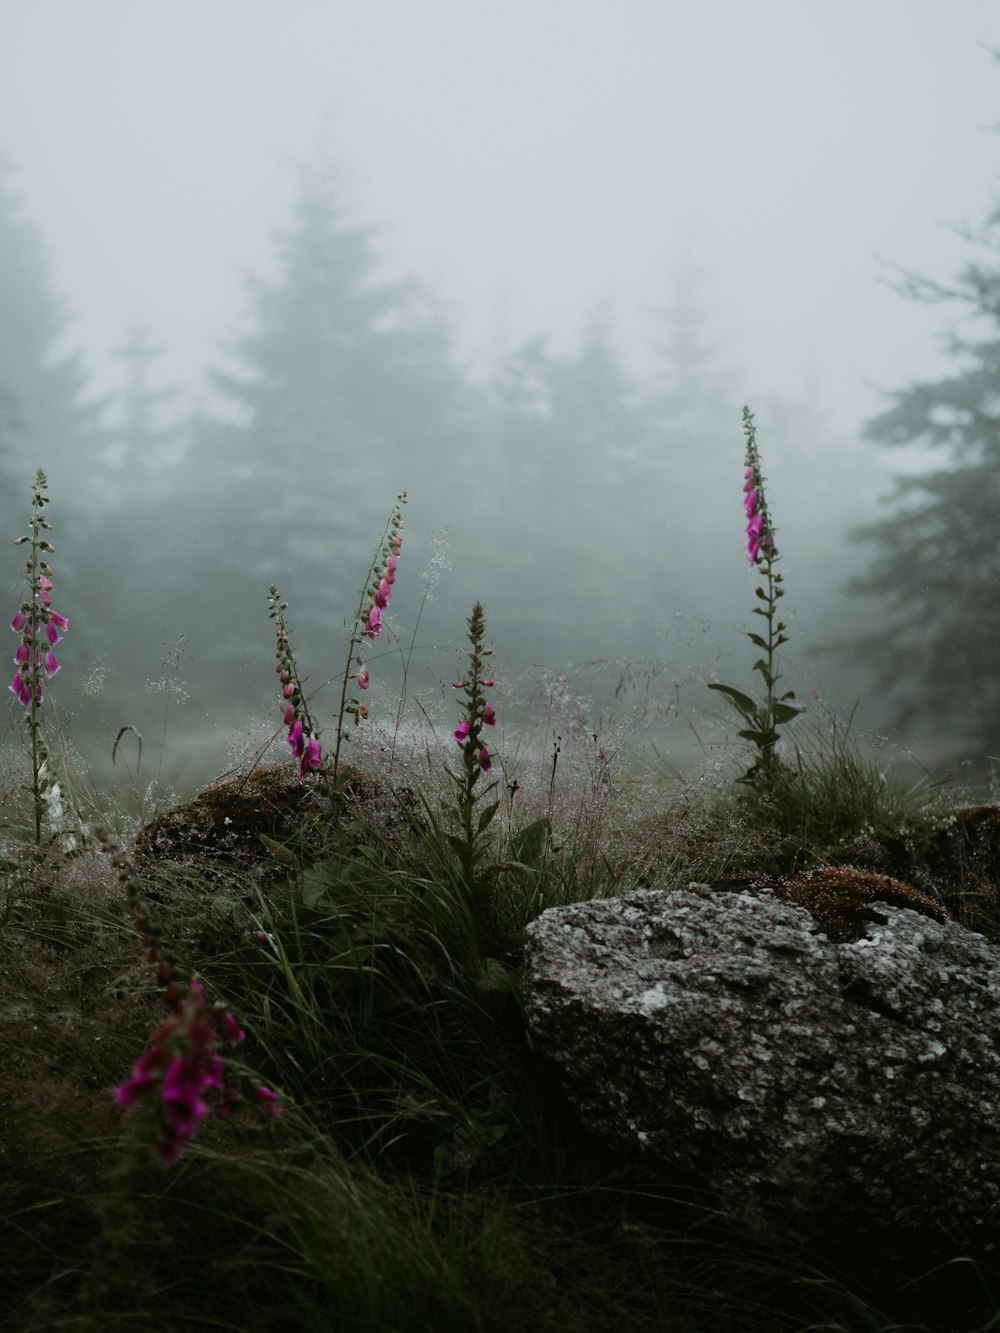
841	898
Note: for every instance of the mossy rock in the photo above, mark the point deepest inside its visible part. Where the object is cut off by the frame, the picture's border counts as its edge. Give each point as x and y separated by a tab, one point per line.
842	898
229	820
969	850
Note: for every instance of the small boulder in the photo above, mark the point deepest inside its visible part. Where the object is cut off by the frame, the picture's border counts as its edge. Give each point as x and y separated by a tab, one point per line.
819	1087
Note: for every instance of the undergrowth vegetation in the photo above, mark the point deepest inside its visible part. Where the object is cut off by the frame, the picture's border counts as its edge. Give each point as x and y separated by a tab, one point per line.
337	947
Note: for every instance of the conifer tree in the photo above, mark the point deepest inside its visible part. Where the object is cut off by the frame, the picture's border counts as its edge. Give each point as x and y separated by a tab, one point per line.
45	416
936	565
342	390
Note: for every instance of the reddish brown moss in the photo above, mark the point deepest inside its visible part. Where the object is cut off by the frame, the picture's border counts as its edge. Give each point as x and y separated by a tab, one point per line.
841	898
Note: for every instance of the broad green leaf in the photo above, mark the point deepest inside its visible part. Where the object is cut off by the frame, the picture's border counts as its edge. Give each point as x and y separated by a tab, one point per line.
743	702
279	850
316	883
785	712
528	843
486	816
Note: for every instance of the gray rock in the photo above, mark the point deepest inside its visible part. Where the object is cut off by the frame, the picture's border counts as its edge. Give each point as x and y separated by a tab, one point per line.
812	1085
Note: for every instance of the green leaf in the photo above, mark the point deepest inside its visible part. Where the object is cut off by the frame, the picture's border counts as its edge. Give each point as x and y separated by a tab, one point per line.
316	883
528	843
279	850
741	701
486	816
785	713
757	640
761	737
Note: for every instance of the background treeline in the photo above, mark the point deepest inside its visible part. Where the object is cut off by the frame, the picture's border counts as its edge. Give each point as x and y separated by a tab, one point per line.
593	509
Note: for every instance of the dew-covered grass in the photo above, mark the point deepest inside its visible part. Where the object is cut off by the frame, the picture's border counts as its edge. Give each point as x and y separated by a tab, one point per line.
427	1173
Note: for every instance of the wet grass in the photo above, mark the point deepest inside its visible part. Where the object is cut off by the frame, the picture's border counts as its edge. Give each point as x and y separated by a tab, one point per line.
427	1173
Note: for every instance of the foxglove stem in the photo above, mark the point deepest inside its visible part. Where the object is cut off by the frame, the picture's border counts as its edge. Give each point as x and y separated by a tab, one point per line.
476	760
375	597
183	1058
302	732
33	621
762	719
762	551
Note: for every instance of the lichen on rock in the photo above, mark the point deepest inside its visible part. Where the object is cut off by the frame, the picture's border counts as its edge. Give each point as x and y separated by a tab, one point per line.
812	1083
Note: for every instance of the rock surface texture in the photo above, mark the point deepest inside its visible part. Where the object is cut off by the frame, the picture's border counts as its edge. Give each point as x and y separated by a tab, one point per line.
818	1087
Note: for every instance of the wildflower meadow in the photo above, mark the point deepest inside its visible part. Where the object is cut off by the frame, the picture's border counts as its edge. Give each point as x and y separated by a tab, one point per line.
265	1061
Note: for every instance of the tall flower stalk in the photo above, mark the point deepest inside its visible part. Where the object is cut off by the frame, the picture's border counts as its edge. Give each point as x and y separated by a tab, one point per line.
39	628
477	712
762	718
375	597
303	736
183	1062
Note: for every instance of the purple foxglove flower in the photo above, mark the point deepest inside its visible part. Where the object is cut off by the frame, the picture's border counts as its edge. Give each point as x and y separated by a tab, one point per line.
212	1072
462	730
489	716
23	653
59	621
363	679
182	1115
374	623
231	1030
51	633
126	1093
51	665
485	762
17	624
312	758
269	1101
179	1080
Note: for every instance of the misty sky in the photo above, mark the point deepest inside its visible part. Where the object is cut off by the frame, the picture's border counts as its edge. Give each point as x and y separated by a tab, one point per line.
531	161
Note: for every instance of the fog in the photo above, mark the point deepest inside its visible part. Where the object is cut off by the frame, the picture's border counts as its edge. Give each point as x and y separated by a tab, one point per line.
664	210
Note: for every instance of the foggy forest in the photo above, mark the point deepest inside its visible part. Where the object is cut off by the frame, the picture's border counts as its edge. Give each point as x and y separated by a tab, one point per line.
580	478
460	463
